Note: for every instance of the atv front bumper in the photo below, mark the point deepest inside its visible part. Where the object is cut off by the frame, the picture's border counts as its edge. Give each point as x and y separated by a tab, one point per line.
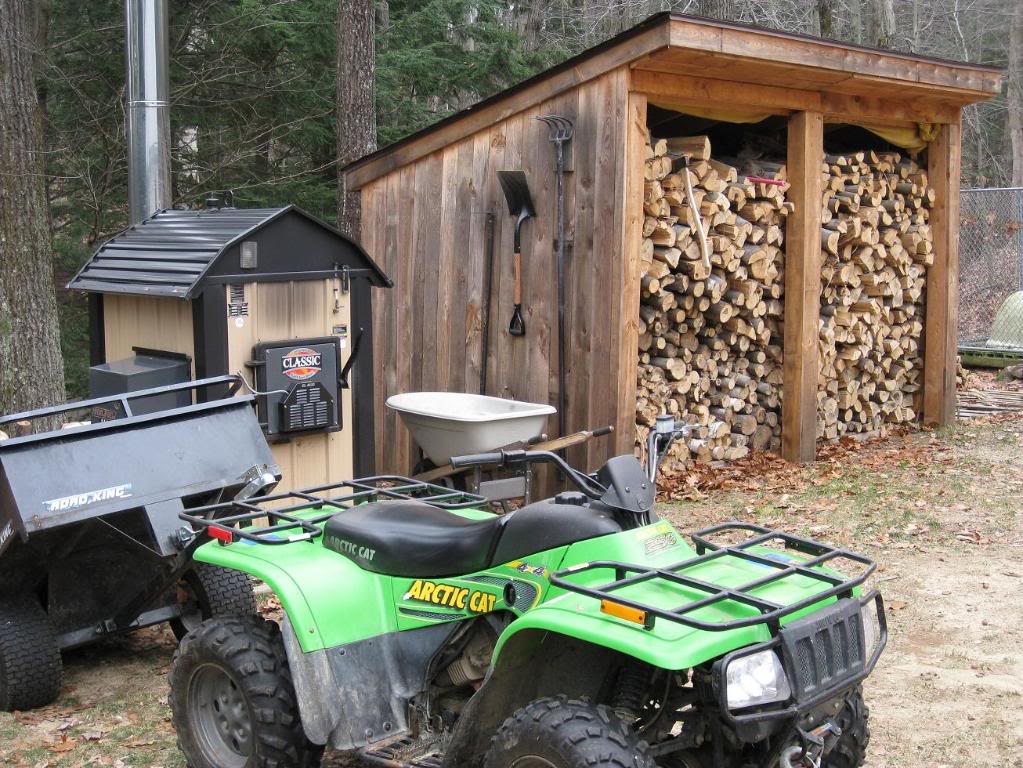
824	656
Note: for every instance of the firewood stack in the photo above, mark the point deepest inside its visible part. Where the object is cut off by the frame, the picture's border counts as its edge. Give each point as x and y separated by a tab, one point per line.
710	340
876	245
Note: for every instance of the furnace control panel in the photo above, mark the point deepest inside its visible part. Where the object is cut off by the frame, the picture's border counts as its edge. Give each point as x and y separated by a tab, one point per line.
300	385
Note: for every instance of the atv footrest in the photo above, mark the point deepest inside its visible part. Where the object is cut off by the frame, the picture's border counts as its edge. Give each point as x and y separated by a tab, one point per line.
406	753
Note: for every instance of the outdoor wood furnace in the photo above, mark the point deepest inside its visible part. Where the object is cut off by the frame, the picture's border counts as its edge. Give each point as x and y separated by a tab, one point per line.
272	294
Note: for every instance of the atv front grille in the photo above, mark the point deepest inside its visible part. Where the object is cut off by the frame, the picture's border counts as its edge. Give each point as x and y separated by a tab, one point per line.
825	648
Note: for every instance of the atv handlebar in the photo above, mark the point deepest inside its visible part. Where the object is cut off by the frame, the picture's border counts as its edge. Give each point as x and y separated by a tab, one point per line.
494	458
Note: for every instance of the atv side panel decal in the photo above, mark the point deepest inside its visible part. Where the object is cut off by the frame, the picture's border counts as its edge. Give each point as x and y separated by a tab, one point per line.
451	596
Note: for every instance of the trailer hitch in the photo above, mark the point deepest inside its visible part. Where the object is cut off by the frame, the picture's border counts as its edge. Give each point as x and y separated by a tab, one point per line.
815	744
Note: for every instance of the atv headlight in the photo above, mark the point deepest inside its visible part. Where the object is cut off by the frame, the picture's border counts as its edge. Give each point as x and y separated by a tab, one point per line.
756	679
871	628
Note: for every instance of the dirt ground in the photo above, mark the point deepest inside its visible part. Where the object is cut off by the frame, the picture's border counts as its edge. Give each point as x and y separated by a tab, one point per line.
939	510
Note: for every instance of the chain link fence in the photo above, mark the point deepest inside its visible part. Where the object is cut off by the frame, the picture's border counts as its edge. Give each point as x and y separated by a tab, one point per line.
991	268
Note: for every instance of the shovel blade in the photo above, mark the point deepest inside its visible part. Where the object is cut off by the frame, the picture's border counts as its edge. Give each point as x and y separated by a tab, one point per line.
516	193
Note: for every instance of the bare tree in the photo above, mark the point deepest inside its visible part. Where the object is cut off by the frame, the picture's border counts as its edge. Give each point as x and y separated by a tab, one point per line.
827	15
725	10
356	106
31	368
883	33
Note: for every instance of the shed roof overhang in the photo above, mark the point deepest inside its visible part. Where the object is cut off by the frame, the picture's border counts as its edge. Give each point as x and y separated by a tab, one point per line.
707	62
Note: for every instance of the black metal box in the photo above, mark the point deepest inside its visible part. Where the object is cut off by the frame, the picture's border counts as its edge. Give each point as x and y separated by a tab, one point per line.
143	371
300	382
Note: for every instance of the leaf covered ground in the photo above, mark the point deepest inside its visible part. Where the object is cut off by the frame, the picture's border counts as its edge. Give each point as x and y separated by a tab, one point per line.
940	511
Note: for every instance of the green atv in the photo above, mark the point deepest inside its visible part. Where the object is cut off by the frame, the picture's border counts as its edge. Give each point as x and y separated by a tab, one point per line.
421	630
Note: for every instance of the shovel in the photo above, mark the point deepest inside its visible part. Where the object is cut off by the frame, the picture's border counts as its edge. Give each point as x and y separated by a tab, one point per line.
520	205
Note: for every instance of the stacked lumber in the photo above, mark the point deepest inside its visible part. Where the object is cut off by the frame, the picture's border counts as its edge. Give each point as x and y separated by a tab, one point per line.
876	246
710	336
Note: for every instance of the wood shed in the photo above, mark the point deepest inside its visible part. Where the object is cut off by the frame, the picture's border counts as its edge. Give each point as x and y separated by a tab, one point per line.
855	129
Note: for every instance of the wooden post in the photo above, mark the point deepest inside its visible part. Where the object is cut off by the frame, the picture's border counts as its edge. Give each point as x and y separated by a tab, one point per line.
631	234
802	287
940	339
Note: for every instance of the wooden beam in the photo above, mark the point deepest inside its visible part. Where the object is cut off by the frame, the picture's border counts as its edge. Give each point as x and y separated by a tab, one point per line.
670	90
908	110
942	311
802	287
631	202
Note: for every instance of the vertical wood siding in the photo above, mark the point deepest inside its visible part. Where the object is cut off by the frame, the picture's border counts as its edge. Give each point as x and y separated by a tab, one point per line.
426	225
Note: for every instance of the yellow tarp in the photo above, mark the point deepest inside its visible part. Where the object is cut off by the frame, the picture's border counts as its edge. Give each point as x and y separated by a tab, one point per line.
911	138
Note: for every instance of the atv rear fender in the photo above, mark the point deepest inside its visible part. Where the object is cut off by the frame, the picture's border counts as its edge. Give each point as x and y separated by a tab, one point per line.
328	599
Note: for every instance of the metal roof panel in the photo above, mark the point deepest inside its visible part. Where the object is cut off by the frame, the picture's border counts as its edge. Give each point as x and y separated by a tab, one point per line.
171	252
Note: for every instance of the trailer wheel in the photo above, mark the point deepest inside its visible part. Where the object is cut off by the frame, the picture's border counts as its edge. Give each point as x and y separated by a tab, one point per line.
207	591
232	700
564	733
30	668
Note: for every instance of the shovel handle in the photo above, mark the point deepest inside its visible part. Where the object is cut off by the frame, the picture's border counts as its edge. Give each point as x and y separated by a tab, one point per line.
518	277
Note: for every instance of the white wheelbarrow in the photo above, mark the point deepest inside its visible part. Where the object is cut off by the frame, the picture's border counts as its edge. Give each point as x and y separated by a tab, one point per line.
446	424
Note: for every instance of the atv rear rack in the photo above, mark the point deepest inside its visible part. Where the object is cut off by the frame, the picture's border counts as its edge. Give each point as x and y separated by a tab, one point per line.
769	612
236	520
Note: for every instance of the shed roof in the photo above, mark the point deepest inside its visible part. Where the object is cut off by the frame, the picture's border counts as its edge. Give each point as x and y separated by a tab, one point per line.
854	76
174	252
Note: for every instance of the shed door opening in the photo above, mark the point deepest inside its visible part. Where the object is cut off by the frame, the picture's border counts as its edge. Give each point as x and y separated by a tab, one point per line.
710	341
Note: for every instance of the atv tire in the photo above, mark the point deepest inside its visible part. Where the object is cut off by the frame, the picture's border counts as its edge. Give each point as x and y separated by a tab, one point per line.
566	733
232	700
30	668
684	759
851	749
208	591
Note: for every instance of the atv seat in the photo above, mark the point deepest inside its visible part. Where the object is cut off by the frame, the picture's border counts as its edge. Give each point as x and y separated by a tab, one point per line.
416	540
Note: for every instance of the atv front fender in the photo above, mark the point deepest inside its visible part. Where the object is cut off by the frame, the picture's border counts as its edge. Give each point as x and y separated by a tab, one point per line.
667	645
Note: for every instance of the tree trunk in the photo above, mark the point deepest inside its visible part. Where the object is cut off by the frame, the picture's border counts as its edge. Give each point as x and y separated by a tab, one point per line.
723	10
826	17
1016	95
31	368
356	104
884	23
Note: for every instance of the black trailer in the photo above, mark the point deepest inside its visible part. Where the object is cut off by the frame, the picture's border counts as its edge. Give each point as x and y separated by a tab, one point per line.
90	539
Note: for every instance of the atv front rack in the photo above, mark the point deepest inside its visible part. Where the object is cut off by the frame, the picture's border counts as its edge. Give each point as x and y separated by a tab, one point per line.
768	612
284	522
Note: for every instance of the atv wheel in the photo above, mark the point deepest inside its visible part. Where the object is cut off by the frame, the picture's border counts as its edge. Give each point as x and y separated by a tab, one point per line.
30	668
564	733
851	749
684	759
232	701
207	591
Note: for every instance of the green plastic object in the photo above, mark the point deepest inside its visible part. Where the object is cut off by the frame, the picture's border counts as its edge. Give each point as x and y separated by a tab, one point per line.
1005	344
330	601
1007	330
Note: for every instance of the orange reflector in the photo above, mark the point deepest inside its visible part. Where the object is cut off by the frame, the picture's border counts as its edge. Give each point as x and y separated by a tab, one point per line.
635	615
